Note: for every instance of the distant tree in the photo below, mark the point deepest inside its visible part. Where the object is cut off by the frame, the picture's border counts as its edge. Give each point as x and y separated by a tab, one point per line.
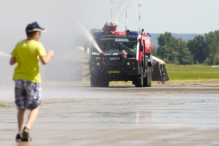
178	44
167	53
172	50
198	48
154	51
212	42
202	49
185	56
165	39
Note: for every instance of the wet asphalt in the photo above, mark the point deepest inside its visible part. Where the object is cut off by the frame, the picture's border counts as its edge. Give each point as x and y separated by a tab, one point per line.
163	115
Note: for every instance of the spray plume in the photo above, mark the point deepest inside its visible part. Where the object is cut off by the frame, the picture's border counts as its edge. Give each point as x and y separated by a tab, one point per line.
125	3
4	54
87	33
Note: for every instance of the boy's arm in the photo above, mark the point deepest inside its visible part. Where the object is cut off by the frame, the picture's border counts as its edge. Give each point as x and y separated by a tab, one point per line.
13	60
45	59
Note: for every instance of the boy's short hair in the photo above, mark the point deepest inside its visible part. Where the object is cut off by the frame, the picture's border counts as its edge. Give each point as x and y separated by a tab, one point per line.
30	34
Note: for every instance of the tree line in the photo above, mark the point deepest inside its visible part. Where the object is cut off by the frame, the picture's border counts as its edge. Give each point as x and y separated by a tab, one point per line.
203	49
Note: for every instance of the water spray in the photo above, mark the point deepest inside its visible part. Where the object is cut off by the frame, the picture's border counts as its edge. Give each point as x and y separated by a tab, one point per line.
4	54
87	34
126	2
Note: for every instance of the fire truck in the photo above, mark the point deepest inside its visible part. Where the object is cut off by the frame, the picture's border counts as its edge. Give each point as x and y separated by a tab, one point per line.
120	56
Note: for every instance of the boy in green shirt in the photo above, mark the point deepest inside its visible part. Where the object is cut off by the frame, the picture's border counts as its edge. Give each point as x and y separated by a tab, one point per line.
27	54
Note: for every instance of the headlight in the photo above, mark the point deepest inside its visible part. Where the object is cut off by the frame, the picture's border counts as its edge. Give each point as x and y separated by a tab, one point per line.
128	63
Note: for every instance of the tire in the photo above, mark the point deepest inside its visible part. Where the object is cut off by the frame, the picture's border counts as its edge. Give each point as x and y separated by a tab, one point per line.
139	81
148	78
98	82
104	83
93	81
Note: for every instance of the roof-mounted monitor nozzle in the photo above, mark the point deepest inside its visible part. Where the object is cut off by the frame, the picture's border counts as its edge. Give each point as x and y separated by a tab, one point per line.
110	27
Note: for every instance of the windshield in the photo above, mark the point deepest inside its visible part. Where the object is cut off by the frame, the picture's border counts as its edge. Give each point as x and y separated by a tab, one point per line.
114	46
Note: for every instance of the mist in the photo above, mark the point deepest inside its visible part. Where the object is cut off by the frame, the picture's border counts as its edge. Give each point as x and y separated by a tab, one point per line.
68	25
69	22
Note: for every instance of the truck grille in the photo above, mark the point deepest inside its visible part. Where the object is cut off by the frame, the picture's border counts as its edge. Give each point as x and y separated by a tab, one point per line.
114	63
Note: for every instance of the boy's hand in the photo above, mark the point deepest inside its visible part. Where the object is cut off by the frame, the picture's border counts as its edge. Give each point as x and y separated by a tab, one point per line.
51	53
13	60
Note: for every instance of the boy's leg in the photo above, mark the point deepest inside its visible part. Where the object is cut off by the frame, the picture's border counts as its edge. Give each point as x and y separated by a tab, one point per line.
20	119
33	100
33	91
32	117
20	101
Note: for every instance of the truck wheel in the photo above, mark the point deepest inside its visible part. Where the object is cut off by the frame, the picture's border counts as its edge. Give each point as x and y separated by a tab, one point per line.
93	81
139	81
104	83
148	78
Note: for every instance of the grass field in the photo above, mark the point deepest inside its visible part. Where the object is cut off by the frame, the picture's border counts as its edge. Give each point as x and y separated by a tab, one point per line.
2	105
179	74
192	72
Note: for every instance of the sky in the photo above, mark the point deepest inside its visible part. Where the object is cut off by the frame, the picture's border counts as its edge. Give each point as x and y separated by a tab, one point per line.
67	21
61	18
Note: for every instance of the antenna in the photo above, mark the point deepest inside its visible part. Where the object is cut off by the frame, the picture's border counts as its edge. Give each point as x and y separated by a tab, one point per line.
111	9
139	5
126	20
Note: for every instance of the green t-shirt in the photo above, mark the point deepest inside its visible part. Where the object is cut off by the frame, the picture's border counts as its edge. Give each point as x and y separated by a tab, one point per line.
27	54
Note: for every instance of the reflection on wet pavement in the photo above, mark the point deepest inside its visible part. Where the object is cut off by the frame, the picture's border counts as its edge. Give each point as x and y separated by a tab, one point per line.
115	116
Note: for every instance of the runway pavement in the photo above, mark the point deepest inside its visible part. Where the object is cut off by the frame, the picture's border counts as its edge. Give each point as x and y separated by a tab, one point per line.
163	115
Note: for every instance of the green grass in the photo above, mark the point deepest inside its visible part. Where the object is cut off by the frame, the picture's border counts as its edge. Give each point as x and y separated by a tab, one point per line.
2	105
192	72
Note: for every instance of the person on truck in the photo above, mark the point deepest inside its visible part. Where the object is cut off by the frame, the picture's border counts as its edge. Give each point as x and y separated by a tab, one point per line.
133	51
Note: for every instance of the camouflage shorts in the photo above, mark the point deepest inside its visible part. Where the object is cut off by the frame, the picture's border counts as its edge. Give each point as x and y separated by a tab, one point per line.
27	94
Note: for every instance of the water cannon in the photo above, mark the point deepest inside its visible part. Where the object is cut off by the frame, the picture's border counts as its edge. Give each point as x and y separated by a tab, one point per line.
110	27
102	53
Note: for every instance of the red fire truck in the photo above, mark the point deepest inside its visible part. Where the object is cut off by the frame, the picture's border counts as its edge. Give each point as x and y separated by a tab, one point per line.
123	56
